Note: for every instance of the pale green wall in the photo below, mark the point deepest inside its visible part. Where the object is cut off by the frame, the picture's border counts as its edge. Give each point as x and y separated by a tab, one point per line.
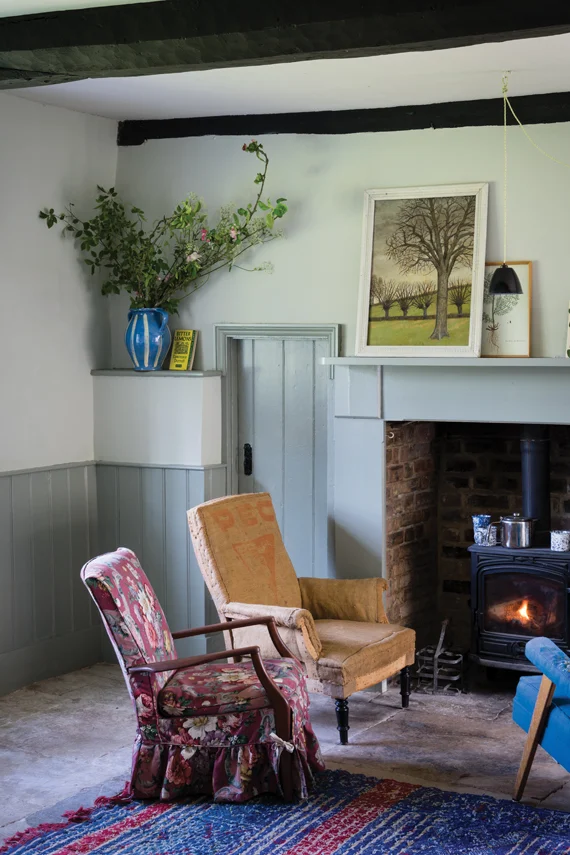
323	177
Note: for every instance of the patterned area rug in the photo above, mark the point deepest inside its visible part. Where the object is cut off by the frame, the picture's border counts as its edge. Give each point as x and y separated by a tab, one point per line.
346	815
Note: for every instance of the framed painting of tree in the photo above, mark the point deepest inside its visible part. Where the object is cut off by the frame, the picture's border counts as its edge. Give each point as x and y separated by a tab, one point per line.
422	271
506	317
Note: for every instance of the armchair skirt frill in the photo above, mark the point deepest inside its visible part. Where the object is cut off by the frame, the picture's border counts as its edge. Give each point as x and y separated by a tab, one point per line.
204	729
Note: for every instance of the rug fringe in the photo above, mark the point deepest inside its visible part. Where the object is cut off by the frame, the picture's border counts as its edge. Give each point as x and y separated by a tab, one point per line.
122	798
82	814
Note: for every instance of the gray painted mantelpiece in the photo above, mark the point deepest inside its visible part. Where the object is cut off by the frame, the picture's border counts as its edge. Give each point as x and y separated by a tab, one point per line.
469	390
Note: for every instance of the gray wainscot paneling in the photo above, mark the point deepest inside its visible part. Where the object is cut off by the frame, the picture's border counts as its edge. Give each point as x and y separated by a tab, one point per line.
48	529
54	520
144	508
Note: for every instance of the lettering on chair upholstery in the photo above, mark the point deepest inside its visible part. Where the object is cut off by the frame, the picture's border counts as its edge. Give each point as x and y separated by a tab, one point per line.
250	513
259	557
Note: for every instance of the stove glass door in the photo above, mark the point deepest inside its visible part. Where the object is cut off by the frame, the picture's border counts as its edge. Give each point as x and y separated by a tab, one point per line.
524	604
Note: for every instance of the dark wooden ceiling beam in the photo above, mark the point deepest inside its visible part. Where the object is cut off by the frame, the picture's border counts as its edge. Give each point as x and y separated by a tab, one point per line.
532	109
184	35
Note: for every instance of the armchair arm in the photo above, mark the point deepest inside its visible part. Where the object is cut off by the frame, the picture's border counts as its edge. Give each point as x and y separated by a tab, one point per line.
281	708
344	599
297	620
552	661
187	661
236	624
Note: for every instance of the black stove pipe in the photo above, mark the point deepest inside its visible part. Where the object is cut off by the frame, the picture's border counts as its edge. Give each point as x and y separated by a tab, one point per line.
535	453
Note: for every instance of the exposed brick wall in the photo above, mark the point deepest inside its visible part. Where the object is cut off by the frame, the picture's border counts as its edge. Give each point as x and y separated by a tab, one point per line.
437	476
560	476
411	526
479	472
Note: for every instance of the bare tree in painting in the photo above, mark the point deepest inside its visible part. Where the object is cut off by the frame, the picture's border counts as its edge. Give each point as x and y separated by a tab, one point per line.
405	298
459	294
435	233
425	297
375	289
383	292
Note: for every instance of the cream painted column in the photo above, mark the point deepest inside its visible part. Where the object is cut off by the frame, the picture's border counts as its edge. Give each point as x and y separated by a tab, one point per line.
159	418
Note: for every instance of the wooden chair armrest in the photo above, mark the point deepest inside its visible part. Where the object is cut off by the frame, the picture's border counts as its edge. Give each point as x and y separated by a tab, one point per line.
280	646
186	662
281	708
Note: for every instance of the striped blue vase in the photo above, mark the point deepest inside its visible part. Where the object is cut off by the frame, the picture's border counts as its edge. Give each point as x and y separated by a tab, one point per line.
147	338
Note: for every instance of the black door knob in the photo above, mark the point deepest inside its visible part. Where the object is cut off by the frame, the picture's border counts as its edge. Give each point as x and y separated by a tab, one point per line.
247	459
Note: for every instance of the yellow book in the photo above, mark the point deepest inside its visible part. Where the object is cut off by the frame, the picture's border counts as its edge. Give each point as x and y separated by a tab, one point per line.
183	350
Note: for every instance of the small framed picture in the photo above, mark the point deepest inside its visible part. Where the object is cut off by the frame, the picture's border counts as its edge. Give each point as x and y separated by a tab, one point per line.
506	317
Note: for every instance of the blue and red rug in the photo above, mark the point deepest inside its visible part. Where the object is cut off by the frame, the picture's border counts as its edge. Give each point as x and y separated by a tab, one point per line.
346	815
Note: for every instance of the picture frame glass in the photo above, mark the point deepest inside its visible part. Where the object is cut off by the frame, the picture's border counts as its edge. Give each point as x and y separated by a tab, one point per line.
506	317
422	269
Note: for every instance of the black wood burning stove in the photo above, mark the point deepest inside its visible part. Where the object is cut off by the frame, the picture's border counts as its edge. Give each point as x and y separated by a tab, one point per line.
518	594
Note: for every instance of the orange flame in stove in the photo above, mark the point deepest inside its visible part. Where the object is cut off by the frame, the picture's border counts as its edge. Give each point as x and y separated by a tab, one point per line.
523	611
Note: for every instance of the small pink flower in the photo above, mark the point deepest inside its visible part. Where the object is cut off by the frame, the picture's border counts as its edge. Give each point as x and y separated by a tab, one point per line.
204	234
233	233
194	256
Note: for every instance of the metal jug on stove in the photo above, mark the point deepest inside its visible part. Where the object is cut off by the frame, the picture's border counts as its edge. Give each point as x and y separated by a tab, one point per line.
517	531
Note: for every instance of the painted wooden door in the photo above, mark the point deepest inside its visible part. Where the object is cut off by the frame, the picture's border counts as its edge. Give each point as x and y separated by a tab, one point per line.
283	415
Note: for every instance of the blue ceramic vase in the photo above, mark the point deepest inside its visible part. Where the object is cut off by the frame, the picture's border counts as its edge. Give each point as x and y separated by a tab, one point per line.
147	338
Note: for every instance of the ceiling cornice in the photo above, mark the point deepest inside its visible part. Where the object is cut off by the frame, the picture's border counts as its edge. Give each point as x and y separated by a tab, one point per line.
532	109
186	35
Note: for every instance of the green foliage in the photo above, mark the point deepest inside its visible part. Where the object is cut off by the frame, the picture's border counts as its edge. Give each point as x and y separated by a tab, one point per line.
159	265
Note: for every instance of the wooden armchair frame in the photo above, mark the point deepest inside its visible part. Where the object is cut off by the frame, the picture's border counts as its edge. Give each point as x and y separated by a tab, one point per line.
283	715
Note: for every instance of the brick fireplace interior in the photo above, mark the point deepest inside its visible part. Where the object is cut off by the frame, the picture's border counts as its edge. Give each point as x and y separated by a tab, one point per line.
437	475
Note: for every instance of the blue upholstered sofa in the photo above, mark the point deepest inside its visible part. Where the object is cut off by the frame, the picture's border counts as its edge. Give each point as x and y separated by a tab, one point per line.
542	707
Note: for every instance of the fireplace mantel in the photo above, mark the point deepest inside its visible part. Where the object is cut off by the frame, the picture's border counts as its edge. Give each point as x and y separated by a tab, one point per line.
447	362
535	390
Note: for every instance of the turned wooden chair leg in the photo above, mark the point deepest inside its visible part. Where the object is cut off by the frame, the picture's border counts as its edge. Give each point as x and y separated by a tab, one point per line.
341	707
405	687
535	732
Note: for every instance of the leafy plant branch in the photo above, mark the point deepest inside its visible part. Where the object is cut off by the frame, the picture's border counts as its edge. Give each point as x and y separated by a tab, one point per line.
161	265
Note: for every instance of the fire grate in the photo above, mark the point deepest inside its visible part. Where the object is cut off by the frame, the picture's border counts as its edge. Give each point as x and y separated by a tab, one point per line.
439	669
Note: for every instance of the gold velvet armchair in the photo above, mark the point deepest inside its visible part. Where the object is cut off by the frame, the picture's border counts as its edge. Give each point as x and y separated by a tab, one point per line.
337	628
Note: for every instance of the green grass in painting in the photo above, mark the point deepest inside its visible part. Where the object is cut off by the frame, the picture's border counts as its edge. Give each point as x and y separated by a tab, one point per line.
417	333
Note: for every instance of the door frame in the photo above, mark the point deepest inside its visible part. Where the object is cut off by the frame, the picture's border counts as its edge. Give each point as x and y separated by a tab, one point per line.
226	337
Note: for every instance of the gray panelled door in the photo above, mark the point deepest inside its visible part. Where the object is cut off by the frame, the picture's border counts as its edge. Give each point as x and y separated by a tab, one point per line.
282	414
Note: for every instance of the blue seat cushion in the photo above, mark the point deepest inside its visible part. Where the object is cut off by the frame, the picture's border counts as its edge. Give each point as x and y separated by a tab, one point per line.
556	738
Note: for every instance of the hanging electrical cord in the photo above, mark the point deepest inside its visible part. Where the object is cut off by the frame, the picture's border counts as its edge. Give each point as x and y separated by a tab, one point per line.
505	279
507	103
505	163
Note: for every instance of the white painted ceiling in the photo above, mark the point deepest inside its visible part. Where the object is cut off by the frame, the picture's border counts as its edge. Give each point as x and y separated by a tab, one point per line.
9	8
537	66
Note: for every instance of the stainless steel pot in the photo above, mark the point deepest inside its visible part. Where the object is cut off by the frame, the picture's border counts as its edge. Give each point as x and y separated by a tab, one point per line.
516	531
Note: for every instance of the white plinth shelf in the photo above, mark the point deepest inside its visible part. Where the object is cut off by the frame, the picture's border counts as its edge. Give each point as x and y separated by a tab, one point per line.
148	419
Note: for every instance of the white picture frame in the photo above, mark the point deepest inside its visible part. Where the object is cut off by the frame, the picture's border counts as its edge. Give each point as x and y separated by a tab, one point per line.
384	235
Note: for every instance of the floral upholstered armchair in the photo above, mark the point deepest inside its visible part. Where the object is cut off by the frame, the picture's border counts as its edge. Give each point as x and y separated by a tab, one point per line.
203	726
337	628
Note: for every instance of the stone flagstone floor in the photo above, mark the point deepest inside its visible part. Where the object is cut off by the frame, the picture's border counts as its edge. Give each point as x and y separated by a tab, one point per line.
66	740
